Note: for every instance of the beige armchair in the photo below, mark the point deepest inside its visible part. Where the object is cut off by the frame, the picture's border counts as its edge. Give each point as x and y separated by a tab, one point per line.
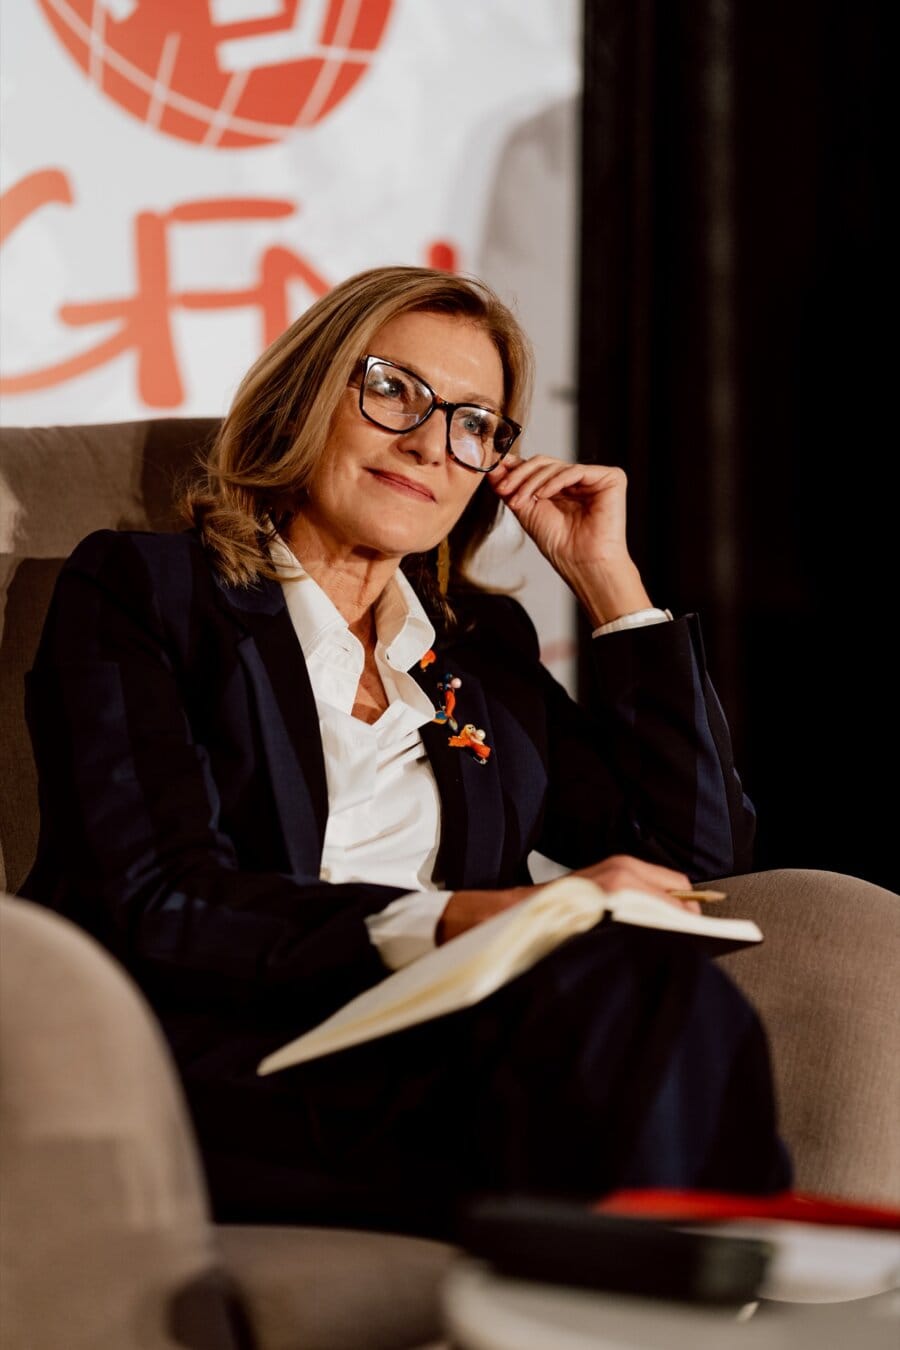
106	1238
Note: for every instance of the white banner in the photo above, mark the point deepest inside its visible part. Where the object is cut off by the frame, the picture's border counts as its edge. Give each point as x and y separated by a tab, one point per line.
182	177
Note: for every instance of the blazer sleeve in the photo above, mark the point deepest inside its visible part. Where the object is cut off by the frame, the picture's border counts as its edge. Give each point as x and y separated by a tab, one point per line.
132	844
646	766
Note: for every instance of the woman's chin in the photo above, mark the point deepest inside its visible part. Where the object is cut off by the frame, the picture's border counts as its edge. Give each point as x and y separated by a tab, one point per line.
408	548
398	541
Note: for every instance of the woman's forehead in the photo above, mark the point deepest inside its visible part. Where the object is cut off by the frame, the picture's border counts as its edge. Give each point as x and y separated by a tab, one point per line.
445	349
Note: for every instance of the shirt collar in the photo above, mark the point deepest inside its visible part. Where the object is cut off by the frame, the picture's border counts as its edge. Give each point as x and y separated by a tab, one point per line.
403	629
401	623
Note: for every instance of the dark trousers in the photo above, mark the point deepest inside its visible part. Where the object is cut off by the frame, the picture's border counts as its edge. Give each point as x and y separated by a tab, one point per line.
625	1058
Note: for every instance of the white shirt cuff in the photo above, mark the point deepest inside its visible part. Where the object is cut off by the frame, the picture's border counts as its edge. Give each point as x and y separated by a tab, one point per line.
641	618
405	929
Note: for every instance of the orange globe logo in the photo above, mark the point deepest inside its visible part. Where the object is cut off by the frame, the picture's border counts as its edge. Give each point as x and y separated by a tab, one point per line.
222	73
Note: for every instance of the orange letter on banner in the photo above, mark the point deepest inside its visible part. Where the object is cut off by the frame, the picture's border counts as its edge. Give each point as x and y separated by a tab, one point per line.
35	191
146	316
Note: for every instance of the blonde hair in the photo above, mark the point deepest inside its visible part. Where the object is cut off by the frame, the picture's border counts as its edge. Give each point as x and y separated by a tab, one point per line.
276	431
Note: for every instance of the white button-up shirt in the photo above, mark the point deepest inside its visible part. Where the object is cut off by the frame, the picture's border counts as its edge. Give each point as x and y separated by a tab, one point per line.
384	812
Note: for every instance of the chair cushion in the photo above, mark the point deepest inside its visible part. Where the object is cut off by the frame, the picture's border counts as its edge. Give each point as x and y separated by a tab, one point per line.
335	1289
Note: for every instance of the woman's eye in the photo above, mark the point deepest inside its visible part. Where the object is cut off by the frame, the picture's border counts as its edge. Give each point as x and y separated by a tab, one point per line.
477	423
388	386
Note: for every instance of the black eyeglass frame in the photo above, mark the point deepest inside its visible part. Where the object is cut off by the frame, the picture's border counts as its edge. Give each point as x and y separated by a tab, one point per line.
366	364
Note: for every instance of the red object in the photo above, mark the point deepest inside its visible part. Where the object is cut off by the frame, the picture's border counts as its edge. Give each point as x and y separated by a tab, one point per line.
696	1206
217	75
442	255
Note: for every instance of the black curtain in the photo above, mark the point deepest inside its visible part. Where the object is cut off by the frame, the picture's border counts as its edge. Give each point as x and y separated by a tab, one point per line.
735	331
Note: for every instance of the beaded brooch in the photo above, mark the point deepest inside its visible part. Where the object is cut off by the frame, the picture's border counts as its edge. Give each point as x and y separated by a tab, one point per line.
470	738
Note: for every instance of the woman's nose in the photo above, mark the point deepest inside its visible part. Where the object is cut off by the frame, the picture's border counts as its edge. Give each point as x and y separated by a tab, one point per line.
427	441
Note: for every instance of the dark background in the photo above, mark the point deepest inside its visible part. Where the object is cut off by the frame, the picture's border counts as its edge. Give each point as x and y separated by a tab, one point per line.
735	330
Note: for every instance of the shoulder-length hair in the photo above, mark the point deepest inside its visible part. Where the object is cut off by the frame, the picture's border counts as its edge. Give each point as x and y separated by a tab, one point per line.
276	431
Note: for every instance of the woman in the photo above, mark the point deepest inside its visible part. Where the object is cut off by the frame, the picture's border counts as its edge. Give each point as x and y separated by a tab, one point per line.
293	747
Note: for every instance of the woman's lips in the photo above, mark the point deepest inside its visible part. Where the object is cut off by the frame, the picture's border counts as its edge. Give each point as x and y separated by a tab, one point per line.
404	485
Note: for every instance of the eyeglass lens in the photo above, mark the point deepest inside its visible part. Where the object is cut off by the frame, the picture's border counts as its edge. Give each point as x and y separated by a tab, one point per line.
397	401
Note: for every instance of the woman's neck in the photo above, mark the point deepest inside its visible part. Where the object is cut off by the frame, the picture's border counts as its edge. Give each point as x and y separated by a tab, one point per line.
352	579
364	628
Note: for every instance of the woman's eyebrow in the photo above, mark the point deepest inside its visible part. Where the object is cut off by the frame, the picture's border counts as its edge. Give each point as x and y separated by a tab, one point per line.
483	402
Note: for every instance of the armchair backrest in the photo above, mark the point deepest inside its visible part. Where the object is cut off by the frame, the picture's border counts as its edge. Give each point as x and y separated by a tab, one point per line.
105	1225
57	484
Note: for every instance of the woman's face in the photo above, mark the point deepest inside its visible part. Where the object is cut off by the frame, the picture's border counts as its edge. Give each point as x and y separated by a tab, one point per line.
379	492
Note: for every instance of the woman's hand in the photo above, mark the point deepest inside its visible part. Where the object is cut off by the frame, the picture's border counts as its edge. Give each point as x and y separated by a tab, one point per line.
467	909
622	872
575	513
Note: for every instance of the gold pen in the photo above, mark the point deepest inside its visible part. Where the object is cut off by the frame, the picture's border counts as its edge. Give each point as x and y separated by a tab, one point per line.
705	896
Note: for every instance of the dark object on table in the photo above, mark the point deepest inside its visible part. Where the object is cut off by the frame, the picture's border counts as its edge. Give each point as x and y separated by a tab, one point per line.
560	1242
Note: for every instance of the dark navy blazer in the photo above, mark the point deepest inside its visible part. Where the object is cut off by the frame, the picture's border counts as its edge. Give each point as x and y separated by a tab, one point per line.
184	800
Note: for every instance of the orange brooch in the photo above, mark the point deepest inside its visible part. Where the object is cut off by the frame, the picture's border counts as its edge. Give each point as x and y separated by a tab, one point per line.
471	738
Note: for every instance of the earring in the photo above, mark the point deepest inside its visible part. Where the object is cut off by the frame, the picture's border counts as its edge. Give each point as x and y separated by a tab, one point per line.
443	566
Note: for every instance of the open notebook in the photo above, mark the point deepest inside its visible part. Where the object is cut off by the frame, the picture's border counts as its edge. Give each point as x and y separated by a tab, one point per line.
478	962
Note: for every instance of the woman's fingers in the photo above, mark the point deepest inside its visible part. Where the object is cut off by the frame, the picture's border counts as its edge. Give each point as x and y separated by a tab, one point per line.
528	474
596	490
653	873
622	871
549	481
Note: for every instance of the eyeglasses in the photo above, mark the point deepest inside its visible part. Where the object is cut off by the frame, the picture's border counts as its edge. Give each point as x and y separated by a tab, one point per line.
395	399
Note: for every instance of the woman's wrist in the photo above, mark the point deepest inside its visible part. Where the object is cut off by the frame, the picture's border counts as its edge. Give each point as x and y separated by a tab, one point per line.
607	592
467	909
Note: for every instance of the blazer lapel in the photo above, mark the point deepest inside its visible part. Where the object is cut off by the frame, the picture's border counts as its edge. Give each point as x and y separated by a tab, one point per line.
288	719
472	814
472	817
